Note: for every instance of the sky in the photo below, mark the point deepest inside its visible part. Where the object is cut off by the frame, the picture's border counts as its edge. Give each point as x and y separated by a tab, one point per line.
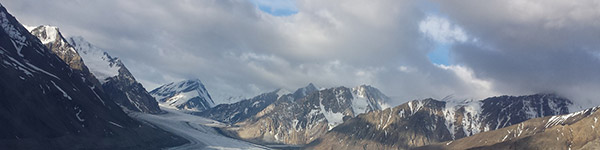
406	48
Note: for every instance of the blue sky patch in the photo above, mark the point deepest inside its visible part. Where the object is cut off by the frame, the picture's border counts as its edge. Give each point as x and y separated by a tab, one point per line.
277	7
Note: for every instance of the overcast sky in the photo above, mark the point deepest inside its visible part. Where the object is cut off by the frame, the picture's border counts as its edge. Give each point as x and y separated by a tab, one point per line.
408	49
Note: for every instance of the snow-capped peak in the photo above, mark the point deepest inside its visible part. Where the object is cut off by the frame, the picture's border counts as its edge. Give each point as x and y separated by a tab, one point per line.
53	39
47	33
367	98
185	95
102	65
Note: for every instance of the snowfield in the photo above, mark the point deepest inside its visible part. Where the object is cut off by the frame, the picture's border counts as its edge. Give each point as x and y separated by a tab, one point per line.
198	130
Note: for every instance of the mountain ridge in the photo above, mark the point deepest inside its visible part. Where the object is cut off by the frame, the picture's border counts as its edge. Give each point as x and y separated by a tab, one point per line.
48	105
422	122
311	115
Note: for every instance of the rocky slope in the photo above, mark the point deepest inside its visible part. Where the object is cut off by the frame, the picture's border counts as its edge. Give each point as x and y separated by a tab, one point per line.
47	105
570	131
53	39
423	122
244	109
115	78
299	120
189	95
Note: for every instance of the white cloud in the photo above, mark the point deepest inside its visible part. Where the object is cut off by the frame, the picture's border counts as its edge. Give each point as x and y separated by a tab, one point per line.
441	30
531	46
484	87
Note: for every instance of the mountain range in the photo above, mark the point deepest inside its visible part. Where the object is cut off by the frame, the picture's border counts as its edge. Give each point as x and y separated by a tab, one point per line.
66	93
422	122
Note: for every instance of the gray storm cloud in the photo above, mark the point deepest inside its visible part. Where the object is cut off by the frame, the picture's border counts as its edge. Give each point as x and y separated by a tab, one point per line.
238	50
532	46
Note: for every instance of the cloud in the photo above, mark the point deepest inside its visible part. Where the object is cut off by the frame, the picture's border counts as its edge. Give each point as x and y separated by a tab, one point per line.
528	46
440	30
239	49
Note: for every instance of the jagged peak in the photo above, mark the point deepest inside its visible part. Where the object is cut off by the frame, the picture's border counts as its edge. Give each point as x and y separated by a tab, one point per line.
46	33
303	91
181	93
311	86
366	88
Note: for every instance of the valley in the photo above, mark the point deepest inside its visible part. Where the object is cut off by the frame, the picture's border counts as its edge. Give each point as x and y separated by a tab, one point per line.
294	90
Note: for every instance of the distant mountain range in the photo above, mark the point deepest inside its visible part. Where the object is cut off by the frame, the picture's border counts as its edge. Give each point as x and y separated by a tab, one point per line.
422	122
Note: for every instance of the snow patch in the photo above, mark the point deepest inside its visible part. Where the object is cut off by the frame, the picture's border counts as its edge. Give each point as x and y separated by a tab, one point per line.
471	122
560	119
333	119
51	33
17	39
79	113
61	90
113	123
42	70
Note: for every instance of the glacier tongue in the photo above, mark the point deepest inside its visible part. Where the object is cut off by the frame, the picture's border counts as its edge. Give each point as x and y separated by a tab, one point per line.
197	129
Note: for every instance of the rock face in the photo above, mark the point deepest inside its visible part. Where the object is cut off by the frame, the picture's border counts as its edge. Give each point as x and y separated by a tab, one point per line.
570	131
244	109
116	80
47	105
189	95
239	111
53	39
423	122
294	119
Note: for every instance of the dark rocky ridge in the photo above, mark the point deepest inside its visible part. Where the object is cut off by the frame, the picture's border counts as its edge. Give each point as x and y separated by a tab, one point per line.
47	105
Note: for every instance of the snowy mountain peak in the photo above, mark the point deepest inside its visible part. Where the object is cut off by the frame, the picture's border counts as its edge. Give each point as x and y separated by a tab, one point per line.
46	33
51	37
102	65
368	98
185	95
114	77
